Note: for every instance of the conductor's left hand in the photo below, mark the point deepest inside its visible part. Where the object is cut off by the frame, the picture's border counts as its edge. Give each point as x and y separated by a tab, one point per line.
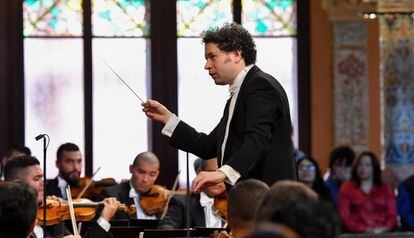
205	178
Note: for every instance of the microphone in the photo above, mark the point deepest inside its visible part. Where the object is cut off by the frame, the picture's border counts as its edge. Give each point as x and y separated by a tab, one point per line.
40	136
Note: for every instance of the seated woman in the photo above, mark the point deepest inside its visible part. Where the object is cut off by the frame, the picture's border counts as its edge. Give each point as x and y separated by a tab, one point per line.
310	174
365	203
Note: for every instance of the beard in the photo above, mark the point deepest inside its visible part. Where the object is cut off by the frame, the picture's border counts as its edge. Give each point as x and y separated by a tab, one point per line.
69	180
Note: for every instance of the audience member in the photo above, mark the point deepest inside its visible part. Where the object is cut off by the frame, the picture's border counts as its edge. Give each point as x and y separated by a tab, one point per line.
405	203
310	174
340	166
365	203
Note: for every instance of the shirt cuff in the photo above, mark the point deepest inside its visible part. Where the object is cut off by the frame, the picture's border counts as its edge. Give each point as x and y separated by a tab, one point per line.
170	126
232	175
104	224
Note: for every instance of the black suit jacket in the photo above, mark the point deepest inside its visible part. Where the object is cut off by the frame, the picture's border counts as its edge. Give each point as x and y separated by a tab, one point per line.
52	188
259	143
121	192
176	215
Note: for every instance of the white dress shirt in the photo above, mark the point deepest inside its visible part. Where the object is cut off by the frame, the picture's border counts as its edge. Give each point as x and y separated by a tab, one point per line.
62	184
212	220
231	174
140	212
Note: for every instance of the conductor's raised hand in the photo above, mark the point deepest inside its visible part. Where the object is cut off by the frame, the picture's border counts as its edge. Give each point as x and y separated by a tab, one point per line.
156	111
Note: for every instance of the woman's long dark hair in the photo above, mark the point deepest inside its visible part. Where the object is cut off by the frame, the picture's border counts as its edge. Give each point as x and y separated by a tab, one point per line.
375	165
318	184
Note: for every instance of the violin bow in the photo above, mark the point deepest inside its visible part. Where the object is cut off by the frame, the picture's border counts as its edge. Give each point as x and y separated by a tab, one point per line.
174	187
72	212
88	184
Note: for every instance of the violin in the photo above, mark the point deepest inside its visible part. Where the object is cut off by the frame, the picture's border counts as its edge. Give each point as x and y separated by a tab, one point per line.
155	200
84	209
220	205
86	187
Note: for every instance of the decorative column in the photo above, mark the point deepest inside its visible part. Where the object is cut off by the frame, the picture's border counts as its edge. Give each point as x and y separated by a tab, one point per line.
350	73
397	75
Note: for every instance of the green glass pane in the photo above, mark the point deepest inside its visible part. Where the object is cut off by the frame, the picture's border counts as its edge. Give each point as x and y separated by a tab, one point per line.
195	16
119	18
52	17
269	17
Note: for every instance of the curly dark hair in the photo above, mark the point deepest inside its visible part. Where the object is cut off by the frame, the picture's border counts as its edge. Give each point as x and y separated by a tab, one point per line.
232	36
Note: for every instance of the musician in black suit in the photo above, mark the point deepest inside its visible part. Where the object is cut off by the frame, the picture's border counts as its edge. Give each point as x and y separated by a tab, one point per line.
202	211
144	172
26	170
69	162
253	138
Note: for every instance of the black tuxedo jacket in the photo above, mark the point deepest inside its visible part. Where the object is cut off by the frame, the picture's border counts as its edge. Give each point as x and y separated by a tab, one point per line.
52	188
176	215
121	193
259	143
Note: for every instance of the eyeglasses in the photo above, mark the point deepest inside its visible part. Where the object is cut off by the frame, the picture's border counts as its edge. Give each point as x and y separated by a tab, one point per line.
309	167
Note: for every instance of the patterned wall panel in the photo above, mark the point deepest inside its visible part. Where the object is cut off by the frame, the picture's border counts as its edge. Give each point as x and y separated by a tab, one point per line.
397	71
350	84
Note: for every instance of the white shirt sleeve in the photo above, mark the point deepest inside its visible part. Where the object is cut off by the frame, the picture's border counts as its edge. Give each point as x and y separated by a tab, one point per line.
104	224
170	126
232	175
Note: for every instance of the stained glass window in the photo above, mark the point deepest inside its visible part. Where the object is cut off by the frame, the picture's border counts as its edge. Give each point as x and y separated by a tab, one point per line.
52	17
195	16
269	17
119	18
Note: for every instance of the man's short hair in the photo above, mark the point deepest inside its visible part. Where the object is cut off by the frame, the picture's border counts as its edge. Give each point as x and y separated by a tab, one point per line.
147	157
69	147
230	37
16	166
297	206
20	148
18	209
244	199
342	153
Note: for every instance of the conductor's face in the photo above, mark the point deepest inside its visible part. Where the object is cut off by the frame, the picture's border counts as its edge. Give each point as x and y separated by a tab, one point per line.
144	175
221	65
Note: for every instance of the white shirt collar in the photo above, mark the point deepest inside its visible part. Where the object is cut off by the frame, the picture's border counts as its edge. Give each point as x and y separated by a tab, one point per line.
132	192
235	86
61	182
206	200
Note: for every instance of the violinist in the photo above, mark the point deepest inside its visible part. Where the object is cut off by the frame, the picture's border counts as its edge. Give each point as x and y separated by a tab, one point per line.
202	210
144	172
13	151
26	170
69	162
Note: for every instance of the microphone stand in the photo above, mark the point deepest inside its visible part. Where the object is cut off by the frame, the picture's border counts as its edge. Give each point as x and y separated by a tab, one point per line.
43	136
187	199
